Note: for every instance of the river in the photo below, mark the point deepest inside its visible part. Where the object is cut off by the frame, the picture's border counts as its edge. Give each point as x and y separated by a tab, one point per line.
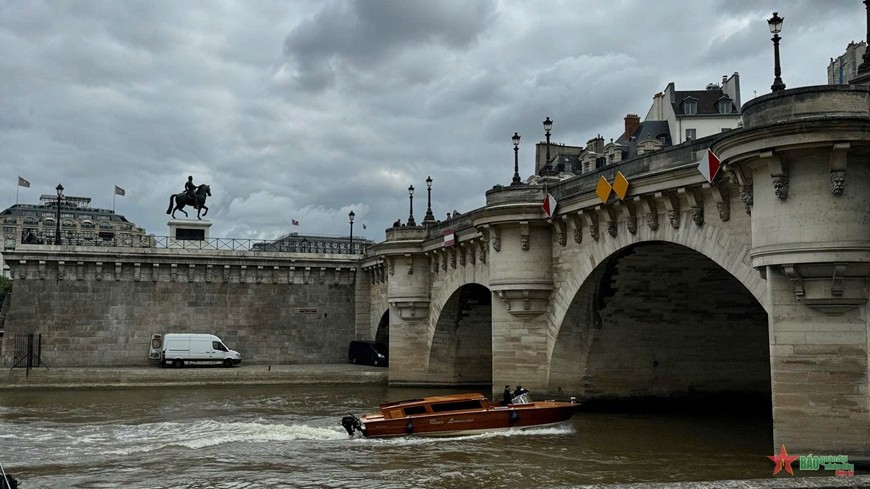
289	436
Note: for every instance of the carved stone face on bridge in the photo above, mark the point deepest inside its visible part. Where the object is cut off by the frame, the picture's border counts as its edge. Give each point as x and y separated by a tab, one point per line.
838	182
780	186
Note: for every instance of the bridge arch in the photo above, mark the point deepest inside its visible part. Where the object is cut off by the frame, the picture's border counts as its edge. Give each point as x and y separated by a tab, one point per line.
461	342
666	338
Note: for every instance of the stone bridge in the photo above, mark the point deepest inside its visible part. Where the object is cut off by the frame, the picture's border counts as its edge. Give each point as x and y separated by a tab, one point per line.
756	283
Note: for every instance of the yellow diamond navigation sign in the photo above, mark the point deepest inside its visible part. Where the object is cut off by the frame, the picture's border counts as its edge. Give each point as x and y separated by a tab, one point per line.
620	185
603	189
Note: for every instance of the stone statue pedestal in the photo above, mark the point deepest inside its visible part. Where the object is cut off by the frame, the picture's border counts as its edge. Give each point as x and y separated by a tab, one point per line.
187	230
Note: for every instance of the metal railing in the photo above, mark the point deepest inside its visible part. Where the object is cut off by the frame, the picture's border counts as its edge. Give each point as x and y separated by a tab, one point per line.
304	244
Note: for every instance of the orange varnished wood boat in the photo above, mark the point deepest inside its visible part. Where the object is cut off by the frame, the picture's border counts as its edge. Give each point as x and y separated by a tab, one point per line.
457	414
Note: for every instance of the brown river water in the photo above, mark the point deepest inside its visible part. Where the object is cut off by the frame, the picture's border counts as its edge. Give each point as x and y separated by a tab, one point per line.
290	436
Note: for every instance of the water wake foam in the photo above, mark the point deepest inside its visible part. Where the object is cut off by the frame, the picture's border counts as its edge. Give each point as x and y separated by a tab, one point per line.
560	429
208	433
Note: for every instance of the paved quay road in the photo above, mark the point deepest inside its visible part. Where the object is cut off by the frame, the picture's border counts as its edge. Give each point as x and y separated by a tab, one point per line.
109	377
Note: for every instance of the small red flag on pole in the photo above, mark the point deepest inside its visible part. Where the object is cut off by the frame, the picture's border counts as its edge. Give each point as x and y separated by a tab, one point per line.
709	165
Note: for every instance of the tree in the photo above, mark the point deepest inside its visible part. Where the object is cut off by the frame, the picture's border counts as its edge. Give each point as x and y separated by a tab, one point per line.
5	288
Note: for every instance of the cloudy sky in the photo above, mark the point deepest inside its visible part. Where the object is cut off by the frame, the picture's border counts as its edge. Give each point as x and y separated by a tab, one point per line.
307	110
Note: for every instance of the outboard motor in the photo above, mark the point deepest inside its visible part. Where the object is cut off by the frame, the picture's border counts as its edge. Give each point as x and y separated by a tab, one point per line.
351	423
8	482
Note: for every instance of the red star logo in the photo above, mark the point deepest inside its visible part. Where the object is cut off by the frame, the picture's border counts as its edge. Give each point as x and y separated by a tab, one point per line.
783	459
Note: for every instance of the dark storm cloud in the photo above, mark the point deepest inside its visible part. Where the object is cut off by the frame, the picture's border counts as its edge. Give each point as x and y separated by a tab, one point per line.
346	36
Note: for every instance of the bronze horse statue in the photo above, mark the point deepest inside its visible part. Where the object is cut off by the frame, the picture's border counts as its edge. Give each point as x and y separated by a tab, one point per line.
197	200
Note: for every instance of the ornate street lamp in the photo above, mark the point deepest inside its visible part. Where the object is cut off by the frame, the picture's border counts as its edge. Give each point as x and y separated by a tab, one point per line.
350	216
865	63
59	189
775	24
430	218
517	180
411	213
547	170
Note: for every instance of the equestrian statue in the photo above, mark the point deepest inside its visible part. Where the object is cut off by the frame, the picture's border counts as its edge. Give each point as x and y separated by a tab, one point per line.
193	195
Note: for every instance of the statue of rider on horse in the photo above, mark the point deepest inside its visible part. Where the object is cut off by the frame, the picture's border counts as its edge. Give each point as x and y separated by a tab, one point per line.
193	195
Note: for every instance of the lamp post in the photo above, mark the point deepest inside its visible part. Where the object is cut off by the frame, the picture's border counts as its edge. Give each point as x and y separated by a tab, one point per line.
517	180
775	24
547	169
411	212
59	189
350	216
865	63
430	218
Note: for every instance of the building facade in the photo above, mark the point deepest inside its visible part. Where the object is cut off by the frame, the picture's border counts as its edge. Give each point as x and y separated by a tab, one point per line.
79	224
845	67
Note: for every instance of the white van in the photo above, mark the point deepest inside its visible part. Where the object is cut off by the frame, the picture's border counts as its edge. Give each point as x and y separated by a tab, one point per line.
176	349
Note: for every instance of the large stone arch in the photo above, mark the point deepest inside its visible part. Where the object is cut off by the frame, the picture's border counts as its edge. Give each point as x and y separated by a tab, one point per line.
644	323
728	249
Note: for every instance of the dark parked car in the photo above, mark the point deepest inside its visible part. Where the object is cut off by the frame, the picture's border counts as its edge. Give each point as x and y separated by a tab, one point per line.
367	353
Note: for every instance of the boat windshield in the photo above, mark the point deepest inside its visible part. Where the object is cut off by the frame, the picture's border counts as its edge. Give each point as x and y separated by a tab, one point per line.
523	398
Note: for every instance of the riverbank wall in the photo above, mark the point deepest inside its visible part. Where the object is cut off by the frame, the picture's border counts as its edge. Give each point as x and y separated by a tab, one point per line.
135	377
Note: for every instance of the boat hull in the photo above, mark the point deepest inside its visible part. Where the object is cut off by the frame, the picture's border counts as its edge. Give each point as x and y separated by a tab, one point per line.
546	413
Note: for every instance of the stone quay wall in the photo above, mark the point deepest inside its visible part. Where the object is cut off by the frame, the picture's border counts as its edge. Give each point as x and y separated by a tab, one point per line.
99	307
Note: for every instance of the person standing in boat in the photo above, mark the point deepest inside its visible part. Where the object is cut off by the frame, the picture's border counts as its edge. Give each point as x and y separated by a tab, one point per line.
506	396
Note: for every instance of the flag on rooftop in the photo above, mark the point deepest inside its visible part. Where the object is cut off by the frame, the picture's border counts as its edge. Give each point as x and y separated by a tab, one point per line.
549	205
364	226
294	222
23	183
120	191
709	165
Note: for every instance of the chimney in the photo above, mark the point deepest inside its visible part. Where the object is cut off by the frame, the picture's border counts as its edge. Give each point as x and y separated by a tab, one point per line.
632	122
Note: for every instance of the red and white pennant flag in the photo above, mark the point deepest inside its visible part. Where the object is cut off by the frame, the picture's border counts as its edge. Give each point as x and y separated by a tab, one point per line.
709	165
449	237
549	205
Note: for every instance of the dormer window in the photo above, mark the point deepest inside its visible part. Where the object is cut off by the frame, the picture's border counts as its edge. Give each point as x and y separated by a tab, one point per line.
690	107
724	106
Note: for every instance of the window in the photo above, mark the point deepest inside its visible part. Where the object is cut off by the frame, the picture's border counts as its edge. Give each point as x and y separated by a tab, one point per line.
105	225
217	345
455	406
31	220
87	225
48	222
690	134
724	106
690	107
410	411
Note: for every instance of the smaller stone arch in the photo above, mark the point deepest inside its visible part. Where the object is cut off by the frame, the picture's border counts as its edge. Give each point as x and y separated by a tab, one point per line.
461	343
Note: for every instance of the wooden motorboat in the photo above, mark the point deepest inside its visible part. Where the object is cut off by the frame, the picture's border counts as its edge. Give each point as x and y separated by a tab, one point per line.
457	414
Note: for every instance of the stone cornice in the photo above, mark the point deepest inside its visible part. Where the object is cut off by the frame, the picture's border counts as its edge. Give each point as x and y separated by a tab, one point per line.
43	262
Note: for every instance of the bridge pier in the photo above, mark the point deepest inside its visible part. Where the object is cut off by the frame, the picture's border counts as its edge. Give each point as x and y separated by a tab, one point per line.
802	163
519	350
